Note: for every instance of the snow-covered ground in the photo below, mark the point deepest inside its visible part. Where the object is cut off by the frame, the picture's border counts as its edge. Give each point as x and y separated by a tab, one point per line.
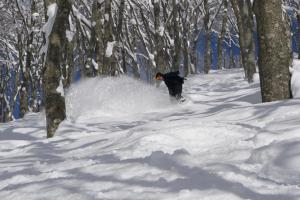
125	140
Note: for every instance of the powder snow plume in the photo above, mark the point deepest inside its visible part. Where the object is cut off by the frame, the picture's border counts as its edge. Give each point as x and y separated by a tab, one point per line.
113	96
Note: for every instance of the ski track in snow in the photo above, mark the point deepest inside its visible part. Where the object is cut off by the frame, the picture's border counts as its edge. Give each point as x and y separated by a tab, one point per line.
221	144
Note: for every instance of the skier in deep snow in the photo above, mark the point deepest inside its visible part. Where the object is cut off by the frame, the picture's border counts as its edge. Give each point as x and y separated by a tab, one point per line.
173	82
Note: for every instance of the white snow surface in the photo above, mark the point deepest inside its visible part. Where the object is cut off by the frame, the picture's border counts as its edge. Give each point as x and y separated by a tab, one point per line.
124	140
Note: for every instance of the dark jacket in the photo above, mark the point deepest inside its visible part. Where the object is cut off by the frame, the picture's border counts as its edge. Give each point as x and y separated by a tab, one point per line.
174	83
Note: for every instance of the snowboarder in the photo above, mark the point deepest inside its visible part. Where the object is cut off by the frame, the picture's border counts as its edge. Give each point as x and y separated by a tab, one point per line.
174	83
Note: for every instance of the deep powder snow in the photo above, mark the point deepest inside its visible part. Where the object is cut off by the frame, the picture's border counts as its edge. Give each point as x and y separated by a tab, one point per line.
124	140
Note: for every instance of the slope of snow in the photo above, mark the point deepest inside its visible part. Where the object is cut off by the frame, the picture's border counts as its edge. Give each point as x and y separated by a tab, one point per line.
119	144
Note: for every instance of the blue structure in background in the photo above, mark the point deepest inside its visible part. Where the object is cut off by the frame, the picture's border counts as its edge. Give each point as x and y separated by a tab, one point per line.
16	111
227	46
234	48
294	27
77	74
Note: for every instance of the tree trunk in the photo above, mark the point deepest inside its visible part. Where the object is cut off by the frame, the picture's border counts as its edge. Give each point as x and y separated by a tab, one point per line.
24	93
249	50
244	15
274	50
222	34
109	61
132	43
91	70
207	54
207	51
231	58
80	52
99	46
159	53
194	41
54	99
120	35
185	49
69	69
298	36
176	32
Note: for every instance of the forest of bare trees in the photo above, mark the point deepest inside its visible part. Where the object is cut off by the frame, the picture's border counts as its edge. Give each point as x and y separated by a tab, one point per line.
45	45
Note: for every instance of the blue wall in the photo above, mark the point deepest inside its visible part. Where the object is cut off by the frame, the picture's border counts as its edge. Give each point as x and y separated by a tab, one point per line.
227	46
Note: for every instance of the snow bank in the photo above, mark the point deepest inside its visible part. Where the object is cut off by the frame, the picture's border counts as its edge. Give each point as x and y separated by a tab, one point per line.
117	96
295	81
279	161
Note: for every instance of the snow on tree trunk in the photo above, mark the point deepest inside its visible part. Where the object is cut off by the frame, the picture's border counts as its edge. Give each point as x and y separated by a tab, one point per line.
110	60
92	67
274	50
68	67
54	98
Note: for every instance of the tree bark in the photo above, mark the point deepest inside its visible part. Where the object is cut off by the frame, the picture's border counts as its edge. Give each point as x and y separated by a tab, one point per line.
91	70
298	36
69	69
22	92
109	61
25	98
97	10
176	32
120	35
222	34
185	43
231	58
244	16
194	41
207	51
274	50
159	53
54	100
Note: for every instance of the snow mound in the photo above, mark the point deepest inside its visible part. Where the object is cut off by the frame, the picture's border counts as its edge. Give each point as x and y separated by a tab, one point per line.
279	161
295	81
113	96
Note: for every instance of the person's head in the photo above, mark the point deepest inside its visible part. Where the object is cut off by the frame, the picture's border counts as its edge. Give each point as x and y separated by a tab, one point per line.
159	76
